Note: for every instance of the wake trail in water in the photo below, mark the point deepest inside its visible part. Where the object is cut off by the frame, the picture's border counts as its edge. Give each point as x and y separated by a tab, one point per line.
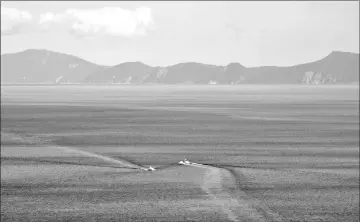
74	151
218	183
94	155
221	187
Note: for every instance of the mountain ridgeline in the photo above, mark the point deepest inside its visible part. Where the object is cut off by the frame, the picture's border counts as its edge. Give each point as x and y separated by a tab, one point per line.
46	67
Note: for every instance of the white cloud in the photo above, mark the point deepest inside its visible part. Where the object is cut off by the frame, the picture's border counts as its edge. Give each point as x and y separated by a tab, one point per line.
104	21
13	20
49	17
15	14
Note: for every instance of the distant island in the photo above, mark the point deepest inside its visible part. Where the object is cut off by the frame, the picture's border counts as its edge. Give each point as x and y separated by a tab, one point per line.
46	67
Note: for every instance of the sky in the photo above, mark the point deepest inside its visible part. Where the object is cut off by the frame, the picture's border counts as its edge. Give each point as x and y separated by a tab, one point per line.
164	33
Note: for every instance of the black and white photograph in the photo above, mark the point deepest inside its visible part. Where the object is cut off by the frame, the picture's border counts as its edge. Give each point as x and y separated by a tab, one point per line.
180	111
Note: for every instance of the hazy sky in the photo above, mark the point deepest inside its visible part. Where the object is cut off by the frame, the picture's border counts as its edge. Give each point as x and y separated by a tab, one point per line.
165	33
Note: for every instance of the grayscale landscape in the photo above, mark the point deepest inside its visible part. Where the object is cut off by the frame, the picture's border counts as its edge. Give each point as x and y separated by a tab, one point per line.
287	153
48	67
180	111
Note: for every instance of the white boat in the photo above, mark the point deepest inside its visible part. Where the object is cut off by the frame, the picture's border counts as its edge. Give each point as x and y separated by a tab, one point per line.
184	162
149	169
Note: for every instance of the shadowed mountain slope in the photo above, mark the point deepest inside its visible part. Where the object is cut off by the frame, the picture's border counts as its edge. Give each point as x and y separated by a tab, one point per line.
42	66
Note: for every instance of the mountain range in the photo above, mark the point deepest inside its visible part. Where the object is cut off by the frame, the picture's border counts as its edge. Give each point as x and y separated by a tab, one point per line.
47	67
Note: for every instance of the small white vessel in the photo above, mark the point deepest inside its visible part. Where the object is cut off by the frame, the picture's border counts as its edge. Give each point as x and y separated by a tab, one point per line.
184	162
150	168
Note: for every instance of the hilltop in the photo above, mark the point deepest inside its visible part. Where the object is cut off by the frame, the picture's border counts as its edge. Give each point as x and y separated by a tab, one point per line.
43	66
